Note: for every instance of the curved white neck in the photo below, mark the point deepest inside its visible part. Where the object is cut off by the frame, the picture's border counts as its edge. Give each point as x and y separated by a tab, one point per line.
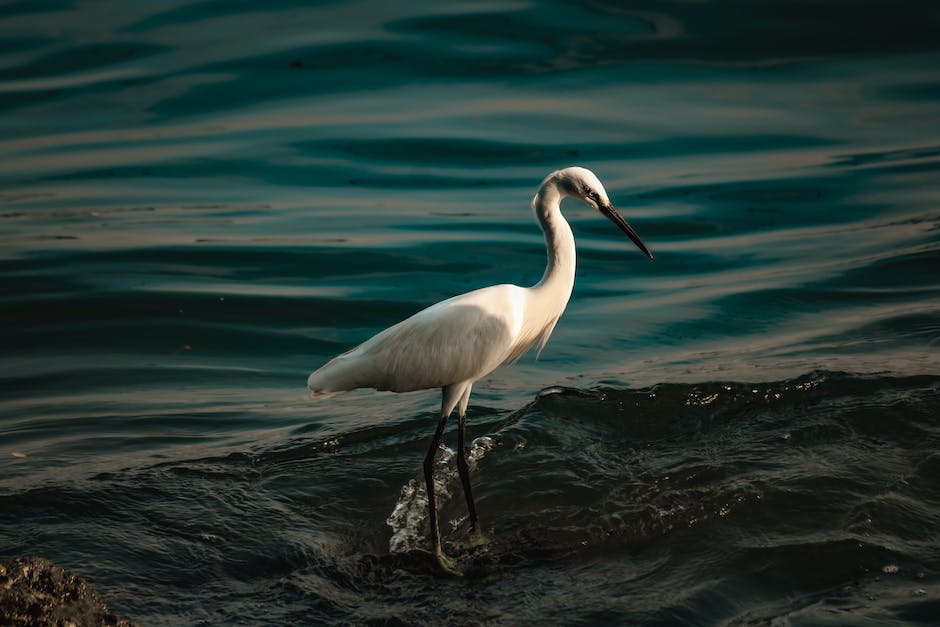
558	280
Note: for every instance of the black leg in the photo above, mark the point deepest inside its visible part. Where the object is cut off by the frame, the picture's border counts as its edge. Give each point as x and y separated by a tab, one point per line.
429	485
464	469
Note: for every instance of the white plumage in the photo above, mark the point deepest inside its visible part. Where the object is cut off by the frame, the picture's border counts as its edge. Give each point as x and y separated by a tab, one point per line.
455	342
460	339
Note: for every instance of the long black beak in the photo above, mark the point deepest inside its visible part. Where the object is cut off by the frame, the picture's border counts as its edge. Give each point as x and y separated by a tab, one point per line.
616	218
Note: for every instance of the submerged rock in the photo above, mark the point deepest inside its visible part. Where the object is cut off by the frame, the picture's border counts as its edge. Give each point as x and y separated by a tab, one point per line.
34	591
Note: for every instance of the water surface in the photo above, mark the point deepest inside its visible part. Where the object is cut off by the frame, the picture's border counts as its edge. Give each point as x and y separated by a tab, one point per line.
202	202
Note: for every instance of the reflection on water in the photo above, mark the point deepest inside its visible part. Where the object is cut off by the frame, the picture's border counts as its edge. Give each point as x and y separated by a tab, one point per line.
200	203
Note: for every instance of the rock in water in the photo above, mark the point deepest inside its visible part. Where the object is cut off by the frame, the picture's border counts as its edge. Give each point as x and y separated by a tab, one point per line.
34	591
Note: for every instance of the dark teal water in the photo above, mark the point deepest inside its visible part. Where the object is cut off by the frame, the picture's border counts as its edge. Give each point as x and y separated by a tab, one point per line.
200	203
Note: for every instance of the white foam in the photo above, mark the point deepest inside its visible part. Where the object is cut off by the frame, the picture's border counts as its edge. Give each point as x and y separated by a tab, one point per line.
408	519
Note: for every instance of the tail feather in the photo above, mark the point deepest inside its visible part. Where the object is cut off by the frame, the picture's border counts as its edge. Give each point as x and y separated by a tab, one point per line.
338	375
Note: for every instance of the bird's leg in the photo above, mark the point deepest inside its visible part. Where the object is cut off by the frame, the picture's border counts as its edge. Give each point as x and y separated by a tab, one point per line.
464	468
442	558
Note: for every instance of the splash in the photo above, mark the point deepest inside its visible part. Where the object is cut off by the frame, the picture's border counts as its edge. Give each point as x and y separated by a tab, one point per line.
409	518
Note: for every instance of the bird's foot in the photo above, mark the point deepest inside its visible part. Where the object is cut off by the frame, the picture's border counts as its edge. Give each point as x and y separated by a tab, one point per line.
448	565
443	561
478	538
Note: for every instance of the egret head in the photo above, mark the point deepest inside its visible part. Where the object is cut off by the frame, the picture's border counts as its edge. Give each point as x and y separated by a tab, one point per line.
584	185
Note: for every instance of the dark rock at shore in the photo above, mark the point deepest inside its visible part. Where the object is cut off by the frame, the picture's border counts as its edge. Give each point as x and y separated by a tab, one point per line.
34	591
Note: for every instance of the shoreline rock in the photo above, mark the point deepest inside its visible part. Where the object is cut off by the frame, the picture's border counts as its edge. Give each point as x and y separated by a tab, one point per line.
34	591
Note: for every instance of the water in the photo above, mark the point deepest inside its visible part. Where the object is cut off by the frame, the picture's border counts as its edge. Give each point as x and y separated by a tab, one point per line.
200	203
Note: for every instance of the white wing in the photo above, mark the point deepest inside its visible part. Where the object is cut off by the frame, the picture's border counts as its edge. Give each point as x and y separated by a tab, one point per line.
460	339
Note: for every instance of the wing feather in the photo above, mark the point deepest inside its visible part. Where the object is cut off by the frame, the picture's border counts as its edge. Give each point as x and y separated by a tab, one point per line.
460	339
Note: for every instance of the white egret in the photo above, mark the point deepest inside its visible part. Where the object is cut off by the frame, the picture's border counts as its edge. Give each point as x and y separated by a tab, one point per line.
454	343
